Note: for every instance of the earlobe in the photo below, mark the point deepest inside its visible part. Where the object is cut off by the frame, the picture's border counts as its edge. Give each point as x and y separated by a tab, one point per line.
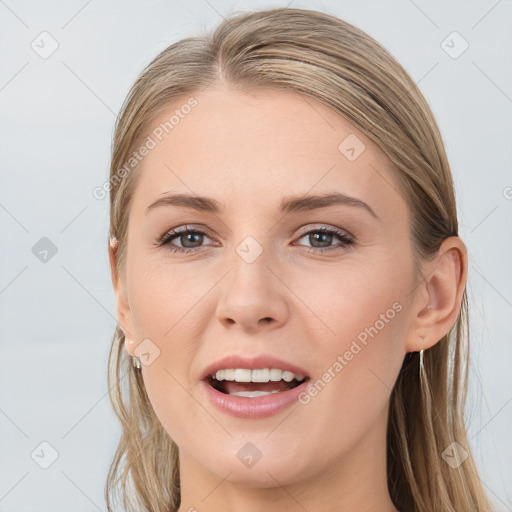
129	345
439	301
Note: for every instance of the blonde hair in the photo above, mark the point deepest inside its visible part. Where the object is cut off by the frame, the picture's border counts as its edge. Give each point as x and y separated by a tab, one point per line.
337	64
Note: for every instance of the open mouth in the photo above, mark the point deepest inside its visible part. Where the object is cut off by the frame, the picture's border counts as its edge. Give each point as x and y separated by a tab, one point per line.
253	389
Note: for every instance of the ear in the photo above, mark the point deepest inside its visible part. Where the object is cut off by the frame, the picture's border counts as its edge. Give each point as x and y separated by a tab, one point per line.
442	289
124	315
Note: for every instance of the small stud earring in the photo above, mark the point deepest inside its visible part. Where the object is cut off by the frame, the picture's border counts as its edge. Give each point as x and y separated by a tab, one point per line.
113	241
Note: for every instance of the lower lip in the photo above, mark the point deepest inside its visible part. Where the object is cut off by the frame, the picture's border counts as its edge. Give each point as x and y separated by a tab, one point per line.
253	408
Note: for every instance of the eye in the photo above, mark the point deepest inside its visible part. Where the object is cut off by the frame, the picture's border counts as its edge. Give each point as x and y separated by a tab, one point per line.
189	238
324	236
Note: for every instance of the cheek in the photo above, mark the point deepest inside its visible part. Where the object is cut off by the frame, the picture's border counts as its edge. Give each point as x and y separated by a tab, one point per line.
167	309
356	336
347	299
165	298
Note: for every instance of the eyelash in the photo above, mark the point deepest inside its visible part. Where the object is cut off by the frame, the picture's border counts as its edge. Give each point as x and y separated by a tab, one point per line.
166	239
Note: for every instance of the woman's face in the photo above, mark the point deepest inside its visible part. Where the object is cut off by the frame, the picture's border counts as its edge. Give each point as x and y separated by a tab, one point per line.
255	282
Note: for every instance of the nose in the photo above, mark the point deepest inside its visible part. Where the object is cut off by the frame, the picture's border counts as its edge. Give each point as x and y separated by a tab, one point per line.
252	297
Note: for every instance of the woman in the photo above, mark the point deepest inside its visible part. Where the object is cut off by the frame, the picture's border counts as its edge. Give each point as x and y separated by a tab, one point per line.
289	280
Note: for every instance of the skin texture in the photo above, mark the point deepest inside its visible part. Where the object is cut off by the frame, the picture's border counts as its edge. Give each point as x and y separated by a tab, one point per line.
248	151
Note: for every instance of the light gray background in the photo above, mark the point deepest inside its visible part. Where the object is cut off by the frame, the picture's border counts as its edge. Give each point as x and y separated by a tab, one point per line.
56	122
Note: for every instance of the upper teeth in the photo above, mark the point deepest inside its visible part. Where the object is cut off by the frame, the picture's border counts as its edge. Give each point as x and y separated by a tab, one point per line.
263	375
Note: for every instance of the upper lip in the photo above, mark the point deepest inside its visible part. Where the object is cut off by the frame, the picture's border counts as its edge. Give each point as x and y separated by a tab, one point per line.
261	361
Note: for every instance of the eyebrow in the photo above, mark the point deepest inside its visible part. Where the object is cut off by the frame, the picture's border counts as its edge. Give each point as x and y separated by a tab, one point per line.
288	204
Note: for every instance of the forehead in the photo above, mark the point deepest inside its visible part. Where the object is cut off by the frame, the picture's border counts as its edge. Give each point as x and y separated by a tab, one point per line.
243	148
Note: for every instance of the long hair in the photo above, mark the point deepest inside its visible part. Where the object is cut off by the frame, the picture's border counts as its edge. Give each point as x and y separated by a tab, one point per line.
331	61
